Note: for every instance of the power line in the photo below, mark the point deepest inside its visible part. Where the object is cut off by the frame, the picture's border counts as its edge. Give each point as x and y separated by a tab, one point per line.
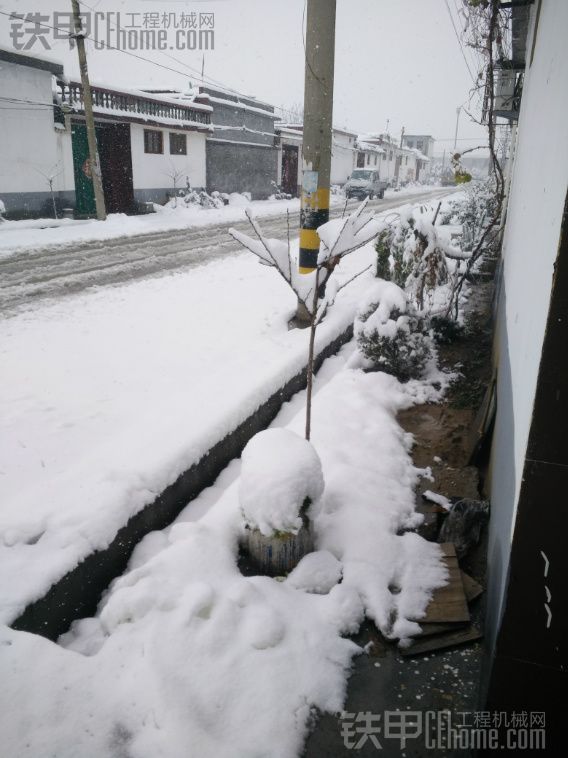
106	45
460	43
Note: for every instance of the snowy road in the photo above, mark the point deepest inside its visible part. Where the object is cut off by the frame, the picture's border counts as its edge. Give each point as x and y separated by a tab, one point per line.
66	269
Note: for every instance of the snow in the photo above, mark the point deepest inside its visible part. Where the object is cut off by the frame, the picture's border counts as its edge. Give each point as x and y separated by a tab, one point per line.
107	397
317	572
435	497
33	236
383	297
280	470
186	651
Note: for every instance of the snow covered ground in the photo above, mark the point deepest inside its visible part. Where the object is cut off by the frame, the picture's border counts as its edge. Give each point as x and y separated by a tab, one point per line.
35	234
189	657
17	236
106	398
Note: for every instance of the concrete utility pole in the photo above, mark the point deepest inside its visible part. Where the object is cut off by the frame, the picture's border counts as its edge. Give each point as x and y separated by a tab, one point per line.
89	119
318	114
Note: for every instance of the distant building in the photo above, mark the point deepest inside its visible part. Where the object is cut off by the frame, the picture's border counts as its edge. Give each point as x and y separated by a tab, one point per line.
424	143
290	140
343	155
396	165
242	155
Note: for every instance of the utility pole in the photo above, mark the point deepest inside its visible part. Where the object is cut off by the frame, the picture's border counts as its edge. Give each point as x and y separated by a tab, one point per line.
318	130
94	163
402	136
457	124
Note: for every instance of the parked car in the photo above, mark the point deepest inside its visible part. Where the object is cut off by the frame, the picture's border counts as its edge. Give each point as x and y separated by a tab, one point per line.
364	182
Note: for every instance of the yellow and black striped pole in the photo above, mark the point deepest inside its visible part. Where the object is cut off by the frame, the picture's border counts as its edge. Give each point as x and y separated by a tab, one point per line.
314	212
317	137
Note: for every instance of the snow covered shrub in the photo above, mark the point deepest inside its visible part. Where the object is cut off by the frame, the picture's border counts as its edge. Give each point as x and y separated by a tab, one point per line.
382	247
390	333
410	252
445	329
476	211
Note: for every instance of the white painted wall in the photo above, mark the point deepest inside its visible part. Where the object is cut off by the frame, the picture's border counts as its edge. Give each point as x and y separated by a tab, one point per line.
538	191
151	171
30	143
343	157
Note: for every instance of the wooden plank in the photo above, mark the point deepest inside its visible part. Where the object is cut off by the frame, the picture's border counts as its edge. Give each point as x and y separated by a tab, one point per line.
442	641
471	588
448	603
429	629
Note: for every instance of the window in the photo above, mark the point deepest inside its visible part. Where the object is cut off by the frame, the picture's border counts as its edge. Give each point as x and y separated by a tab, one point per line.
178	144
390	155
375	160
153	141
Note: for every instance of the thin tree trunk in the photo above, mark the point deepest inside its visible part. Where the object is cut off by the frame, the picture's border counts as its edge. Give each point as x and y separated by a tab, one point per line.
310	367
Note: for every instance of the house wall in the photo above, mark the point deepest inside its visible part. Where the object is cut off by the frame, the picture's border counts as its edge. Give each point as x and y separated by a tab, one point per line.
407	167
343	157
31	144
538	190
241	156
388	162
233	167
152	174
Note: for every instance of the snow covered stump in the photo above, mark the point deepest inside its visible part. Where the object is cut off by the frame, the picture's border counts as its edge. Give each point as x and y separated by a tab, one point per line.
281	478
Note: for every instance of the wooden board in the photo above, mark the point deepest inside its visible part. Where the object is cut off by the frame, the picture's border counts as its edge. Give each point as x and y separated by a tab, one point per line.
471	588
429	629
448	603
442	641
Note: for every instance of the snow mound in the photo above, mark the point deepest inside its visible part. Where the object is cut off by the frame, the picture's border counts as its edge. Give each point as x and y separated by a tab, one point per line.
236	198
382	299
317	572
280	470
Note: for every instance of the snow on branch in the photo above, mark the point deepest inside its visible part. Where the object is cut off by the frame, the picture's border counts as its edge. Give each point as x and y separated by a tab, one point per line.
338	238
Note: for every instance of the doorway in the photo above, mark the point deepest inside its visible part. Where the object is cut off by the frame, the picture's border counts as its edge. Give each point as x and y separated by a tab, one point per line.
290	169
115	156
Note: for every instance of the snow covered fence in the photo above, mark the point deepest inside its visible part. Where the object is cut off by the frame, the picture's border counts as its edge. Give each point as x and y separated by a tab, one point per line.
78	592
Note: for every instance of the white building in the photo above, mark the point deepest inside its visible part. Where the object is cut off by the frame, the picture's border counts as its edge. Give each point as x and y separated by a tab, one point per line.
149	144
396	165
424	143
34	144
290	140
527	615
343	155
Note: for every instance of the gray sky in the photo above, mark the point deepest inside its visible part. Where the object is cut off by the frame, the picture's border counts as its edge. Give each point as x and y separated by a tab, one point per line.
395	59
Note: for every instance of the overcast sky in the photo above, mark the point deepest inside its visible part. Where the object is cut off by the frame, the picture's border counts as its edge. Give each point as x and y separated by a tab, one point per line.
395	59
